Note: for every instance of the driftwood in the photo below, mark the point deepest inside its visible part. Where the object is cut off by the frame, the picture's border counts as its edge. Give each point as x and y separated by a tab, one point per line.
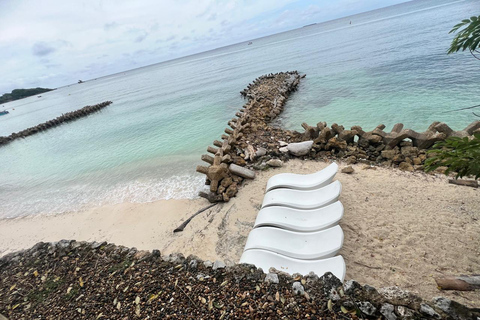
184	224
461	283
468	183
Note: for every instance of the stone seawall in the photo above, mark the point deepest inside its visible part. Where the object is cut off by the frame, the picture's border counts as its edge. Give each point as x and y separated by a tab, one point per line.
252	142
67	117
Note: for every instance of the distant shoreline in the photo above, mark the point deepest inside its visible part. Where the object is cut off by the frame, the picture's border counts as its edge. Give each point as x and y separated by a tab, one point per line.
18	94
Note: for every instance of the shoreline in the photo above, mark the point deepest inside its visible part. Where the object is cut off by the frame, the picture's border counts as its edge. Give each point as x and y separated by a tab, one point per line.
401	228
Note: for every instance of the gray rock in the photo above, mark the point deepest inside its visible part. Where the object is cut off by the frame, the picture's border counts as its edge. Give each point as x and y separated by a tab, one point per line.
275	163
260	152
241	171
329	282
367	308
219	265
63	244
208	264
388	311
272	278
2	317
193	264
348	170
454	309
97	245
176	258
298	288
283	149
427	310
405	312
300	148
350	286
397	296
282	143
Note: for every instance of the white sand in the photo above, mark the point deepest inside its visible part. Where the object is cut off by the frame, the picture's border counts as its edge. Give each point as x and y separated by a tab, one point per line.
400	228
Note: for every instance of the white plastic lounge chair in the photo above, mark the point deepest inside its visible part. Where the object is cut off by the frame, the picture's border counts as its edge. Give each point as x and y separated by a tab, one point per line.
267	259
300	245
303	181
300	220
298	199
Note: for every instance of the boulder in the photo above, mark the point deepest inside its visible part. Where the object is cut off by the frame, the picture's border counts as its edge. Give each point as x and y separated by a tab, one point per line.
300	148
389	154
405	166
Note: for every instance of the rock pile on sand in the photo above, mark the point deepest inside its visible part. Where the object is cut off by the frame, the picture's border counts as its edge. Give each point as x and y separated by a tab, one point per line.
81	280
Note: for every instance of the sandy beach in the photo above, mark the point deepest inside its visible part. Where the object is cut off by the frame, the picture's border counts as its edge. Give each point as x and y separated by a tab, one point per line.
400	228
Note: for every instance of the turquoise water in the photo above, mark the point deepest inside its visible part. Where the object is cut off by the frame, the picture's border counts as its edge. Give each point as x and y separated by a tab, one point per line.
388	66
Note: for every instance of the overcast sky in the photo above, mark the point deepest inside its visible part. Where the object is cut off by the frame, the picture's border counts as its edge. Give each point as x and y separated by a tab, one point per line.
51	43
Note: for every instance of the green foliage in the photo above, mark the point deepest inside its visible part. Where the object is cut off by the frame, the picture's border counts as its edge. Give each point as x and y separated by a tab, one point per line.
467	38
22	93
461	155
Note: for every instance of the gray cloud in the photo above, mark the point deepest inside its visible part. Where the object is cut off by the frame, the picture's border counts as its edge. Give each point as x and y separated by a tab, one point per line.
110	25
41	49
141	37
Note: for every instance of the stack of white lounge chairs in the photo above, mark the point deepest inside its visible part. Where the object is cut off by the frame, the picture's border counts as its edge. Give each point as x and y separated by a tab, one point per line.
297	230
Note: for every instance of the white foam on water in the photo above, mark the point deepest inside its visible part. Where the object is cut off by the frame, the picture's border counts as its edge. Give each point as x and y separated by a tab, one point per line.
81	197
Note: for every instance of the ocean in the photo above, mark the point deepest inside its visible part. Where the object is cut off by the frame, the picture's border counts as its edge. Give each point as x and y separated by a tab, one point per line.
386	66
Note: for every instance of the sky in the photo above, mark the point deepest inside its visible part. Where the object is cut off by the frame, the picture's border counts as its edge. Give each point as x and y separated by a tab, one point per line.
52	43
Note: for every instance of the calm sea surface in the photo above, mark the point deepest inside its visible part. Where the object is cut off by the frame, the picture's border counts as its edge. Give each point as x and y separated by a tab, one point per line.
387	66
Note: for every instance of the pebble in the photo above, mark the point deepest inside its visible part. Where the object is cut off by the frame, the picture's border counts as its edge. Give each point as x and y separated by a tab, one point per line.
348	170
276	163
219	265
272	278
298	288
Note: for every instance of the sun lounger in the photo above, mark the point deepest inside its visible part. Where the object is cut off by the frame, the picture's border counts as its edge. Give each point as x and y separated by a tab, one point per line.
300	220
303	181
298	199
300	245
267	259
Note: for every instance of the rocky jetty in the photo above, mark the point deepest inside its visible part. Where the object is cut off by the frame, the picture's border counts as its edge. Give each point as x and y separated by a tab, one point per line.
67	117
253	142
266	98
81	280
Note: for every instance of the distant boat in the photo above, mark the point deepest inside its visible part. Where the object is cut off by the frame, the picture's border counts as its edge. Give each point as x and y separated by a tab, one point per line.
80	81
249	43
4	112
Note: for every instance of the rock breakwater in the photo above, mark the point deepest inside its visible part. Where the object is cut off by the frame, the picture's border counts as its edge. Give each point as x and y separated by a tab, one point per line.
253	142
67	117
82	280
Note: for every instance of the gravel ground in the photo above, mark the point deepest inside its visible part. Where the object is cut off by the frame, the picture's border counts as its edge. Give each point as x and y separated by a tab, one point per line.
79	280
